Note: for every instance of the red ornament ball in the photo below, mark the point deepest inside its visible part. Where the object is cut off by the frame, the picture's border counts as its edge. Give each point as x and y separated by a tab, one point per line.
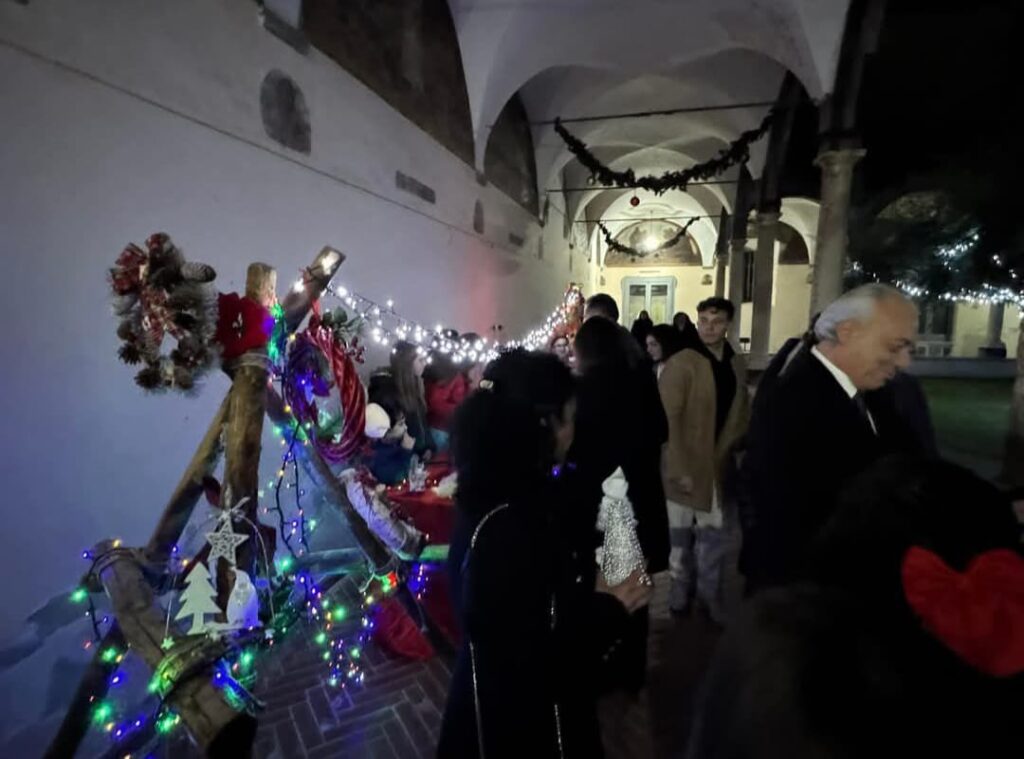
634	201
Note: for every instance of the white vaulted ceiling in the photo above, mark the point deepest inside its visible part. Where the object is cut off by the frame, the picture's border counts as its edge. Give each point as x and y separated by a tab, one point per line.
573	58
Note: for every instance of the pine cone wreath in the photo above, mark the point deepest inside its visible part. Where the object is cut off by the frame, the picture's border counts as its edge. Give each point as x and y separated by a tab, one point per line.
160	295
130	354
150	378
194	271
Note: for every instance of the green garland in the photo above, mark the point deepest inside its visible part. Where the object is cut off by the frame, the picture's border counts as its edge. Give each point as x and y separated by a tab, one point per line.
737	152
617	246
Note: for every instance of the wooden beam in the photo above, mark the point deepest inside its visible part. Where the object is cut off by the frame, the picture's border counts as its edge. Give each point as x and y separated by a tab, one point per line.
179	508
183	500
297	302
202	706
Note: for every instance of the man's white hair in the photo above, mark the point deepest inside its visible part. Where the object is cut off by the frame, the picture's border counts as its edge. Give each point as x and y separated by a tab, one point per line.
856	305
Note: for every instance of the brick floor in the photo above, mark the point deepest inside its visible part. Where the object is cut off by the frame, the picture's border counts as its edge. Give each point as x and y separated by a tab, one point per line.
396	712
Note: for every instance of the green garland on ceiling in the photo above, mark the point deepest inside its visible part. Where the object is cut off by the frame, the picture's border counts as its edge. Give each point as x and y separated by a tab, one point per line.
617	246
737	152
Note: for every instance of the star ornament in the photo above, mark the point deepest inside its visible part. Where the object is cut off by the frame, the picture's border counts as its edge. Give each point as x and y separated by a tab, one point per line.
223	543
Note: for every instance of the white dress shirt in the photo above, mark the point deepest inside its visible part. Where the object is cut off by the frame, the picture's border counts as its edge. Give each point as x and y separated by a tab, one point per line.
843	379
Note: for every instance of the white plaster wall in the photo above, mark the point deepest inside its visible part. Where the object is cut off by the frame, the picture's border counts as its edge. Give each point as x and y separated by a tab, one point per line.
970	330
791	302
970	325
87	164
1011	330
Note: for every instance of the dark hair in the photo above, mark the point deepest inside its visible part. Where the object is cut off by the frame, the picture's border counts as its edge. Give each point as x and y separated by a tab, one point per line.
601	343
669	338
681	316
384	393
904	501
502	441
440	369
603	304
873	670
717	304
469	339
408	385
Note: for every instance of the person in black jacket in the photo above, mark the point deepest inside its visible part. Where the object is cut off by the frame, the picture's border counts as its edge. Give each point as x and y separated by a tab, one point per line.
536	618
620	422
906	640
821	428
691	339
641	329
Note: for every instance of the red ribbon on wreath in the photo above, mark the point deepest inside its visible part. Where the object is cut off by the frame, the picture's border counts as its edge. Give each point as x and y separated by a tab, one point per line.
321	341
129	277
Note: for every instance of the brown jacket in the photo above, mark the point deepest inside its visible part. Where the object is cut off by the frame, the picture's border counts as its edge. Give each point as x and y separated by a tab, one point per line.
687	387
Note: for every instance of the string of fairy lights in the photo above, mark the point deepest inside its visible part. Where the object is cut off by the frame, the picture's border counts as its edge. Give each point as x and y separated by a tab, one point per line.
302	595
986	294
386	326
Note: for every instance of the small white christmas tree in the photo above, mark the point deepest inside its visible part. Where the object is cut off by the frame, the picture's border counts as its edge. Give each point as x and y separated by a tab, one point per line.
197	599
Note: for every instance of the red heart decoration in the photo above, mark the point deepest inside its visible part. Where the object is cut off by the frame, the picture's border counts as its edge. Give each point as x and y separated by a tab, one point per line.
978	614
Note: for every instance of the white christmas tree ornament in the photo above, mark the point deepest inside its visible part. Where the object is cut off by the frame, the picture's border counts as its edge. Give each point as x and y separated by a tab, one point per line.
197	600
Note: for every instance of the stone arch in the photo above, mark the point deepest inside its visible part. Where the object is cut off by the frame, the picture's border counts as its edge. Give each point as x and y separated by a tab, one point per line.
792	247
408	53
507	46
510	162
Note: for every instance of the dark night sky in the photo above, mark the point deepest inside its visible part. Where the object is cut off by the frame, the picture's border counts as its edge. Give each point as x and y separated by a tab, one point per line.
943	90
944	87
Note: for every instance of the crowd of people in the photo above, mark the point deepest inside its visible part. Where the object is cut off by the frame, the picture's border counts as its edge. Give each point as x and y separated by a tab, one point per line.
884	587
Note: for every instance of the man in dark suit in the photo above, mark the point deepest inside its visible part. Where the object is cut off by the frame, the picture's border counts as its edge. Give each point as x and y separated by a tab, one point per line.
822	427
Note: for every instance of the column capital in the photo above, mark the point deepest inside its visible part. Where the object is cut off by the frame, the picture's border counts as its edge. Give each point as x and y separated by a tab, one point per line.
833	159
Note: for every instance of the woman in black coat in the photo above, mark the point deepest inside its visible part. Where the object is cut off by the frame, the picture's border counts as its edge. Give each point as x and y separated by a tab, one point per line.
620	422
534	625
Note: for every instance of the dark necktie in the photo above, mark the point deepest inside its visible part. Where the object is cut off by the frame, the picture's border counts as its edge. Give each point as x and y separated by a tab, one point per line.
862	409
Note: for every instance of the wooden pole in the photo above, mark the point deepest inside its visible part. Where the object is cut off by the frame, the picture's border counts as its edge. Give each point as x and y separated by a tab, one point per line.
243	440
92	687
178	510
315	280
207	714
183	500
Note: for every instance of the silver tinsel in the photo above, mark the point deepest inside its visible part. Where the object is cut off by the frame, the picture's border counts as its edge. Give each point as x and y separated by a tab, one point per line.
620	554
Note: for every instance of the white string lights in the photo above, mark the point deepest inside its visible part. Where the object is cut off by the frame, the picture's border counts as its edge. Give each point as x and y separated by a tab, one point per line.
985	295
385	327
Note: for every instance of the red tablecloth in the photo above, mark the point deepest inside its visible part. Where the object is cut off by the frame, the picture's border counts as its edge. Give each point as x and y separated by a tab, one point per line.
434	516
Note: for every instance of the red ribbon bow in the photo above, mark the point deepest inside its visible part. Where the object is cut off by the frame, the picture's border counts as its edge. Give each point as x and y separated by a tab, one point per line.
978	614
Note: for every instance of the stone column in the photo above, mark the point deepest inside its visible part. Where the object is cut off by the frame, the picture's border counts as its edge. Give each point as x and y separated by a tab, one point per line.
737	273
720	263
764	277
833	220
721	253
994	346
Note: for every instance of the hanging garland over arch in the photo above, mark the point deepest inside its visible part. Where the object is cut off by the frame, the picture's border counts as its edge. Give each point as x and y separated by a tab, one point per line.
737	152
617	246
